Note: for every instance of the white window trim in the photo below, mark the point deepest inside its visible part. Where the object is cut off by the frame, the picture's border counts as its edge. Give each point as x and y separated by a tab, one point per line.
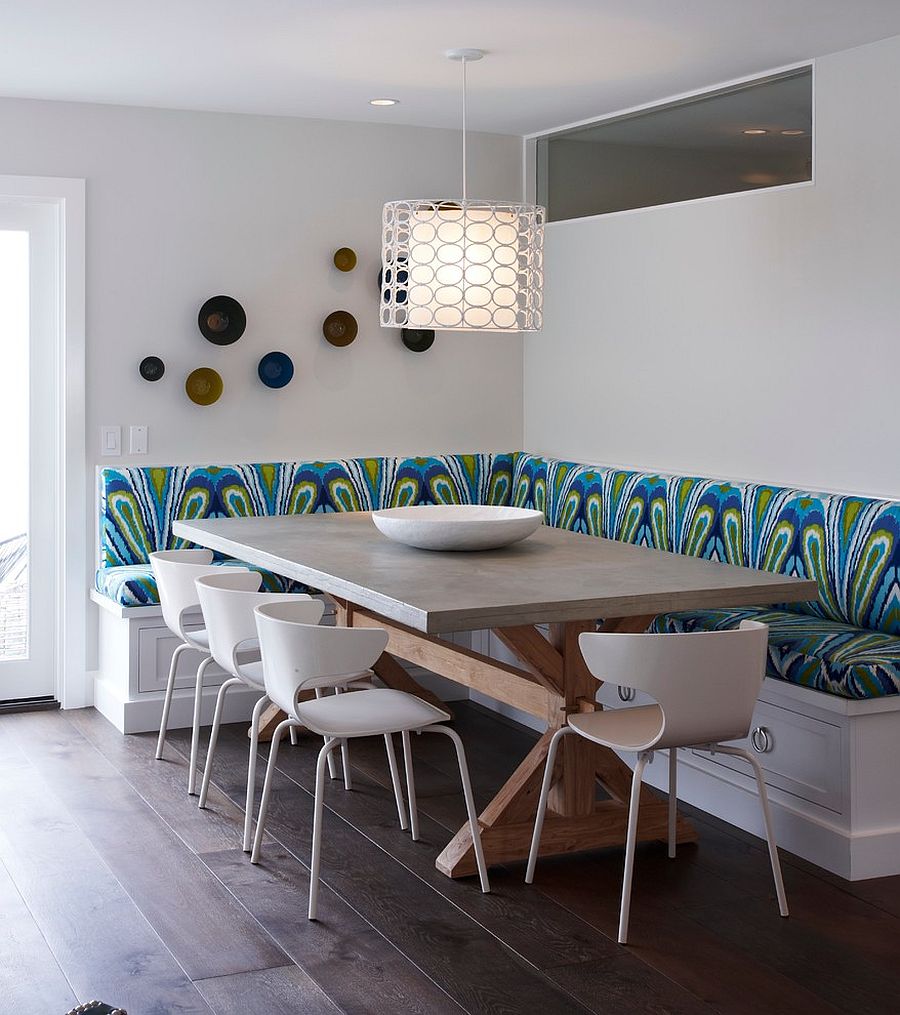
67	196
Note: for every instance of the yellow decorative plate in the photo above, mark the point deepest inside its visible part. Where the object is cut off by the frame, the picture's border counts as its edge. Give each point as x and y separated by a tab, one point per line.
203	386
345	259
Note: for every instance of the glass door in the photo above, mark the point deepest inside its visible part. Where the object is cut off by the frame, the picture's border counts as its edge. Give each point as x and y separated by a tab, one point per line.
29	321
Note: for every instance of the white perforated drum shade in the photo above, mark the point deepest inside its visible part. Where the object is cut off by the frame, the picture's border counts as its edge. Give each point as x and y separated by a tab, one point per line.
462	265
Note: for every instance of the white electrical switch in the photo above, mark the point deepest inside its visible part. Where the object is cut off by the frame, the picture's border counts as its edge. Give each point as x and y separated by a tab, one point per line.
110	440
137	440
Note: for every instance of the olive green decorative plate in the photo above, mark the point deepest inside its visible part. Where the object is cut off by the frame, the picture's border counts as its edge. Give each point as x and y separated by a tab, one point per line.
204	386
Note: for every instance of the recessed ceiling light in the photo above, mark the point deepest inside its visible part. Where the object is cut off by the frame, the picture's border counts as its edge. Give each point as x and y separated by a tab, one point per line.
793	133
755	130
383	102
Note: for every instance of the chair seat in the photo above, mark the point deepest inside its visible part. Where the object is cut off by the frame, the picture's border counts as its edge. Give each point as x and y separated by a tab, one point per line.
252	672
199	638
840	659
624	729
134	584
367	713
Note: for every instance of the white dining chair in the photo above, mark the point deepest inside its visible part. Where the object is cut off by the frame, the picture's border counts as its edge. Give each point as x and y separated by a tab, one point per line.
175	572
705	685
297	656
227	599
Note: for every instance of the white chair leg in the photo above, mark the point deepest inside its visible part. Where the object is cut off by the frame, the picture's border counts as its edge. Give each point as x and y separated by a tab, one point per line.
673	797
767	821
167	701
410	787
470	801
213	738
345	754
318	814
345	764
293	736
630	843
267	786
395	780
332	764
195	729
542	801
251	769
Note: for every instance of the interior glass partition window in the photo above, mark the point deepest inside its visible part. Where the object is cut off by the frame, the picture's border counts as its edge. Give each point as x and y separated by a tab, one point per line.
746	137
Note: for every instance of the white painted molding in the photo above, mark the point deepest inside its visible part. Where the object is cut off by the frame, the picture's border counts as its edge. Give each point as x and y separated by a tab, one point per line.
73	688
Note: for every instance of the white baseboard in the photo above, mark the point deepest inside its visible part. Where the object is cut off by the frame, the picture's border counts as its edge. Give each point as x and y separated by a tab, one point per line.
142	715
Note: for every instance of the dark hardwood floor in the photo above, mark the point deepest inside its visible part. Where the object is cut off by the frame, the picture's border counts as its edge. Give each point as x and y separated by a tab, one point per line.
114	885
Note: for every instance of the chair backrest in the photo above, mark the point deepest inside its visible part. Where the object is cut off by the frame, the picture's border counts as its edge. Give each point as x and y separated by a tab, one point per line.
299	656
227	599
175	572
705	682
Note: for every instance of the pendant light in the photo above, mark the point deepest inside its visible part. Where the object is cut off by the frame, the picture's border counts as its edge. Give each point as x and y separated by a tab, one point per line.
462	265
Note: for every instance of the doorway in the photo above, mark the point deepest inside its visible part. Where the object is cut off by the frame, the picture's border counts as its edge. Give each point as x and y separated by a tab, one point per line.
29	415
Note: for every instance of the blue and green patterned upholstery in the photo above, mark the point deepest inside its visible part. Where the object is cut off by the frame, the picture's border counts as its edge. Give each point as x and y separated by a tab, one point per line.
134	584
850	545
846	643
822	654
138	506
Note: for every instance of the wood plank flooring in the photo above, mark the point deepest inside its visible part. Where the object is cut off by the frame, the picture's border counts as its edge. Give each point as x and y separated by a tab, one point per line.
113	884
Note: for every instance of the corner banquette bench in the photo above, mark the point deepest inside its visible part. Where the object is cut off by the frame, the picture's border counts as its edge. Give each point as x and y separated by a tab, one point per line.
829	715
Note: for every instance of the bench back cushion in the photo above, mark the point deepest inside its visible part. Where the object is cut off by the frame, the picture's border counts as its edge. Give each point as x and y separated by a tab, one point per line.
139	505
850	545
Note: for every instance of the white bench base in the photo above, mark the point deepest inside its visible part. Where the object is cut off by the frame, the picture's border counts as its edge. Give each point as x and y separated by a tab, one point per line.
833	787
835	796
136	649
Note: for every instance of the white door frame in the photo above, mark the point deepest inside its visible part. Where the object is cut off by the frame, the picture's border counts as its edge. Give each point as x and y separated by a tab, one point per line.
67	196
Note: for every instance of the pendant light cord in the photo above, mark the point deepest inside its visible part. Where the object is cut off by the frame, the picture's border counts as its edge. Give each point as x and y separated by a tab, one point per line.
464	62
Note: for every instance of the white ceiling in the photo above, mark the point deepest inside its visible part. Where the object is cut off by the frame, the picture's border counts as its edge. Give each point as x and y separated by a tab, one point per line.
551	62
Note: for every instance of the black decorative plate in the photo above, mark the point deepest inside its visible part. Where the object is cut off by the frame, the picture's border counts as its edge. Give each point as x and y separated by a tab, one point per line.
152	368
222	320
417	339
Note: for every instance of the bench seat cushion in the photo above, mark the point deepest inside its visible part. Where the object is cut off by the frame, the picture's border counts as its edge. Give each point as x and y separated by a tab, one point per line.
851	662
134	584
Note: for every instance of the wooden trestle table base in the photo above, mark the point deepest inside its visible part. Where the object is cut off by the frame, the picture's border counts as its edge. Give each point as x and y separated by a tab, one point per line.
563	579
551	682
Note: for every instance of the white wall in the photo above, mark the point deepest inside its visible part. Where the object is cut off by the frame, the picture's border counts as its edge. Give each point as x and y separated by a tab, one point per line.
755	336
182	206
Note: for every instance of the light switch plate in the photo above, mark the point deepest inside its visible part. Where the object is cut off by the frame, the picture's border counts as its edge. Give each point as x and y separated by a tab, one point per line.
110	440
137	439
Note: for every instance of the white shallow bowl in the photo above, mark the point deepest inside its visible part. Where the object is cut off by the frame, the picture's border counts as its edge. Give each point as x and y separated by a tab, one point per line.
457	526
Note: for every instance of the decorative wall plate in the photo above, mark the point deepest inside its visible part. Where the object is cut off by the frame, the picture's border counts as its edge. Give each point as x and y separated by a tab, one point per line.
345	259
275	369
222	320
152	368
417	339
204	386
340	328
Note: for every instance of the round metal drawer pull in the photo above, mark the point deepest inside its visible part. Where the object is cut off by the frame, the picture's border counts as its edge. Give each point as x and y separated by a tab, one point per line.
761	739
626	693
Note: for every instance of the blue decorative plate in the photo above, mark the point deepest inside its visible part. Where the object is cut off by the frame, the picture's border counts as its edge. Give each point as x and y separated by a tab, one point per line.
275	369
